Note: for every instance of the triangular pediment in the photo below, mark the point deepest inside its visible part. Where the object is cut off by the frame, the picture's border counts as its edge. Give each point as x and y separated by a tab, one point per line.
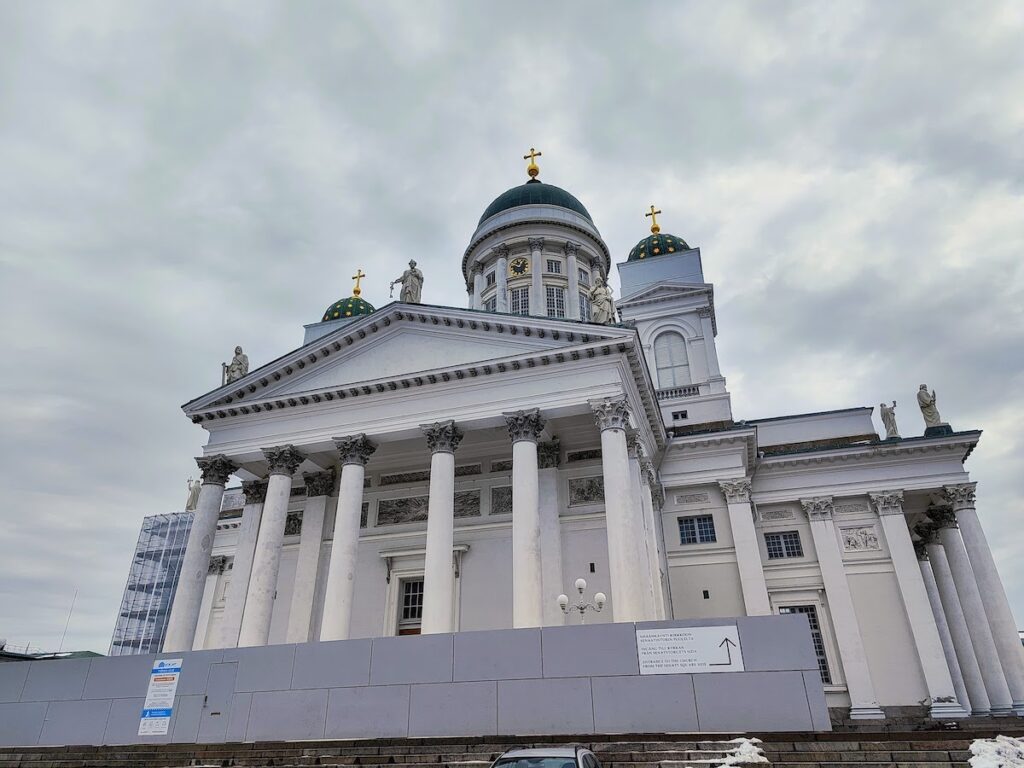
403	341
667	289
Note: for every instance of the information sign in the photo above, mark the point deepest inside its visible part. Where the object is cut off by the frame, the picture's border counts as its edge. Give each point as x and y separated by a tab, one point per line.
682	650
156	712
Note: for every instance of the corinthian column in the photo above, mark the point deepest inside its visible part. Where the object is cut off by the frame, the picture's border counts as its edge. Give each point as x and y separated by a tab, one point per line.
438	575
937	677
652	533
572	267
993	596
977	622
283	460
863	702
538	301
318	487
948	649
552	496
188	597
524	428
501	276
612	415
748	553
234	598
355	452
957	620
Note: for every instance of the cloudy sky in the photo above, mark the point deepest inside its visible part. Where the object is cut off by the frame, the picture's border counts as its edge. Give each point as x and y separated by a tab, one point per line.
179	178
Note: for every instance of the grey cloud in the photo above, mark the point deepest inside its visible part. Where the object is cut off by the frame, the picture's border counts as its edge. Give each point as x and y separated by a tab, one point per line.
181	178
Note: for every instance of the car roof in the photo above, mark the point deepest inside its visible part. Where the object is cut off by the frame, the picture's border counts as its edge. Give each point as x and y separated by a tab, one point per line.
541	752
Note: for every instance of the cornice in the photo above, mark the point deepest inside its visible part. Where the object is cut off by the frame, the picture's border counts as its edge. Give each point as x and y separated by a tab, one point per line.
519	223
962	441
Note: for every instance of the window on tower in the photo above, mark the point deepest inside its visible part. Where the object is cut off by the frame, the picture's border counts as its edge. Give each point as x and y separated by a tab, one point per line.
491	304
490	278
556	301
554	266
671	361
584	307
519	301
584	277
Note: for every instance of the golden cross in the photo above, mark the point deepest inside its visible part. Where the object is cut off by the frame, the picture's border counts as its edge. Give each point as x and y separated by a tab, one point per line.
359	275
654	220
532	169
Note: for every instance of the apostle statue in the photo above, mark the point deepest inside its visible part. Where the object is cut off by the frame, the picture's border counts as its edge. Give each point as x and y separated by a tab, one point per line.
929	409
236	369
193	495
602	307
412	284
889	420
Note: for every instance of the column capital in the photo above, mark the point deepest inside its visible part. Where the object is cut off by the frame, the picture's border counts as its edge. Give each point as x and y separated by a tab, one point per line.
943	517
818	508
355	449
634	447
927	531
442	436
255	491
549	454
501	250
920	549
524	425
216	469
536	243
571	248
658	495
611	413
647	472
704	312
960	496
217	566
283	459
887	502
319	483
736	491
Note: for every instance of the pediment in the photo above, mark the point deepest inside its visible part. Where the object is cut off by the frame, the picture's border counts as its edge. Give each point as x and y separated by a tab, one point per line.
398	342
667	289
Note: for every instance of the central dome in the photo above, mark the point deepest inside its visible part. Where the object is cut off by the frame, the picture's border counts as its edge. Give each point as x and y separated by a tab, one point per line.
535	192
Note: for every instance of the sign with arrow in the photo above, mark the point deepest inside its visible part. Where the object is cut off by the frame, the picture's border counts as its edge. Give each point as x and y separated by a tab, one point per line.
689	650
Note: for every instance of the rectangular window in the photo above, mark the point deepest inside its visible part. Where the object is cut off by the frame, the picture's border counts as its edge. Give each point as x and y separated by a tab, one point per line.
816	637
678	415
410	613
556	301
491	304
554	266
491	277
520	301
785	544
584	307
697	530
584	277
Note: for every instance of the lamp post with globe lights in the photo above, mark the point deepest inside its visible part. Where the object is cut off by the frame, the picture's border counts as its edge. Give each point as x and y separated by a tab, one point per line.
582	606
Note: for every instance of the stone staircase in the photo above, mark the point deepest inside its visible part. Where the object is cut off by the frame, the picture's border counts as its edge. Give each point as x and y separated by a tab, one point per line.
928	749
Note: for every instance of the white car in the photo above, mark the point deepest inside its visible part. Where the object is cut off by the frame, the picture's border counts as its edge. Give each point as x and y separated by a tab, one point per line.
547	757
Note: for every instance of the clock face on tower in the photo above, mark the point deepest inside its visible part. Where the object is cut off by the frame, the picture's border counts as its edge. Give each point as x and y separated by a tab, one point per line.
519	266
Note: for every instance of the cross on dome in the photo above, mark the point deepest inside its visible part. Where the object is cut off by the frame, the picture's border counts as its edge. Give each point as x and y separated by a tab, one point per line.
532	169
654	220
359	275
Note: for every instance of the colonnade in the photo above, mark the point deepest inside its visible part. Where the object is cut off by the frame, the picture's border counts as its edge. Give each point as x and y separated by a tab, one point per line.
249	601
978	635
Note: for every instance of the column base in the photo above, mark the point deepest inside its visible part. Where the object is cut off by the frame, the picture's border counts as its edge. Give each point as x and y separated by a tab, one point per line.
1002	712
981	713
1018	708
866	713
947	710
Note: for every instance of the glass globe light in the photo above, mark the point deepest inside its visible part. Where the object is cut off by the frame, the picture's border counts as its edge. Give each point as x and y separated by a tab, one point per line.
600	599
581	584
563	600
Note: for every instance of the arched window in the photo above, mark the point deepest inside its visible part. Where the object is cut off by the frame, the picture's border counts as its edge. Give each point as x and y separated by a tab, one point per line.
670	360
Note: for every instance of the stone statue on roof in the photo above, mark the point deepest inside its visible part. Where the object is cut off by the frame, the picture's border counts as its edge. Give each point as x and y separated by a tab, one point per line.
888	413
193	495
412	284
236	369
602	307
929	409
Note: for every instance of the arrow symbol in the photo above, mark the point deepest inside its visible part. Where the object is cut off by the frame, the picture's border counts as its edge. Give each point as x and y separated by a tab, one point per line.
729	645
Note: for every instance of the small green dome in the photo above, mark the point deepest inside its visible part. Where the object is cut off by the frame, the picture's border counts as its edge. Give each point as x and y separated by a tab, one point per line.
353	306
535	192
657	245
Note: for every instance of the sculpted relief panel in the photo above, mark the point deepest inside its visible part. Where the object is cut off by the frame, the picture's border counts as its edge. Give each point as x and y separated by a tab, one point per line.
586	490
862	538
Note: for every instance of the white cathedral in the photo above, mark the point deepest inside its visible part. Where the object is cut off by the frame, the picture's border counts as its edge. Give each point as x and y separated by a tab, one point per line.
422	468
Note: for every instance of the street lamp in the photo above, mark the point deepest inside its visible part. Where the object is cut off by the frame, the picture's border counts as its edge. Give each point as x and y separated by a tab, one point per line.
582	606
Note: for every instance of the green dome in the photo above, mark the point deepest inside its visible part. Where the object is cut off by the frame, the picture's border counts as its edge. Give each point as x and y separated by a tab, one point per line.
535	192
657	245
350	307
